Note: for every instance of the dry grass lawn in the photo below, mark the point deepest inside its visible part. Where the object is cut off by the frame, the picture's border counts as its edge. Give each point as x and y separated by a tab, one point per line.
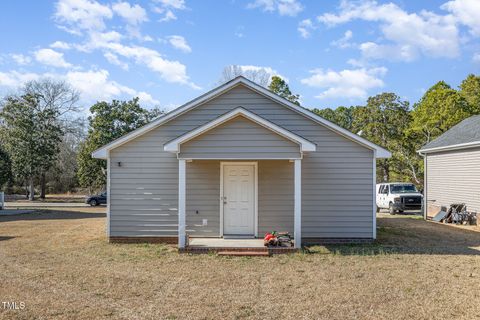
61	266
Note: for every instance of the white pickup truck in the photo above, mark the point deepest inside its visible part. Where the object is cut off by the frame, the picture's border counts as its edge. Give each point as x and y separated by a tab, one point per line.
398	196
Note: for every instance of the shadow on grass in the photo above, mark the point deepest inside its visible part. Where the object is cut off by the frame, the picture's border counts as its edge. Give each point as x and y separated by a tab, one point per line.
3	238
410	235
49	214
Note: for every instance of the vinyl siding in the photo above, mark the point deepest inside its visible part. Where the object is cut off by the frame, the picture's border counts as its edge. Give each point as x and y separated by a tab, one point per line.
274	204
453	177
337	185
203	196
239	138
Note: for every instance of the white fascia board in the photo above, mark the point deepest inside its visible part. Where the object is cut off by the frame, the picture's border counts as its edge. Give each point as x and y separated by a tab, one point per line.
381	152
99	153
451	147
305	145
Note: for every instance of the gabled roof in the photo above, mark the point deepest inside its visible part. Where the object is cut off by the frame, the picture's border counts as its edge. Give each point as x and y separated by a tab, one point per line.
102	152
305	145
466	134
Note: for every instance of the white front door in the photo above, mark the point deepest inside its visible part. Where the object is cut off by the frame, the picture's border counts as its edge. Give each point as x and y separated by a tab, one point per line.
239	199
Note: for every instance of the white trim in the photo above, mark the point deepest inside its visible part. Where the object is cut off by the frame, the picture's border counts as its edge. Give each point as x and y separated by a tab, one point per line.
190	158
297	220
109	169
425	186
374	197
221	200
181	203
101	153
305	145
255	183
452	147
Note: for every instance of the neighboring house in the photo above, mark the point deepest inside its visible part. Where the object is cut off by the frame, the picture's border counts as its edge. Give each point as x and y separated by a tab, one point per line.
240	161
452	168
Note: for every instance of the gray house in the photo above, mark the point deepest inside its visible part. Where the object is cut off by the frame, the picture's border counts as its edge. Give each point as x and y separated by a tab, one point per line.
240	161
452	168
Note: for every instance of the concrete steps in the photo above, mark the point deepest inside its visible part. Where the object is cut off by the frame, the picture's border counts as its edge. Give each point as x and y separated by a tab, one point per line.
234	251
246	253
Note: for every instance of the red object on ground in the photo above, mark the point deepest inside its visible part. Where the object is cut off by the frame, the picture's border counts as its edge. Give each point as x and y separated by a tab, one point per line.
268	237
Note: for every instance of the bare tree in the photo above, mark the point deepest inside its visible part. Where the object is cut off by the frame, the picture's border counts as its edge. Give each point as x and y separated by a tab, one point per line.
60	97
53	94
257	75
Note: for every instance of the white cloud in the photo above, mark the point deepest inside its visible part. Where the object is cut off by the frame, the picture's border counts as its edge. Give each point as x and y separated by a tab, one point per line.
466	12
82	14
289	7
113	59
179	42
476	57
175	4
89	18
305	27
371	50
171	71
352	84
93	85
146	98
52	58
78	16
134	15
60	45
424	33
14	79
284	7
169	15
344	42
356	63
100	38
268	70
21	59
167	8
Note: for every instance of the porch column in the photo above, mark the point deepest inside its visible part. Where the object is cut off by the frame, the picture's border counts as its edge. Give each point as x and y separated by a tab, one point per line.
181	203
297	222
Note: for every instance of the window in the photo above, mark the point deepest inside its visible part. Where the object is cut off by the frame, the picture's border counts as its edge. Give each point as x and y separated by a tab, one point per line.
403	188
383	189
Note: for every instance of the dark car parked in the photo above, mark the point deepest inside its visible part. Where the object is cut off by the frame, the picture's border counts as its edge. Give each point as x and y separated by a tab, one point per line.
97	199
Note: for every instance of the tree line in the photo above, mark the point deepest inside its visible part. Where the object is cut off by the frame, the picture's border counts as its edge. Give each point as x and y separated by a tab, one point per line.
46	141
390	121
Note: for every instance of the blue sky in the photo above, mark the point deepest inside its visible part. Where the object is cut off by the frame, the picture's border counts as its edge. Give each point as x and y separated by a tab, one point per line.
169	51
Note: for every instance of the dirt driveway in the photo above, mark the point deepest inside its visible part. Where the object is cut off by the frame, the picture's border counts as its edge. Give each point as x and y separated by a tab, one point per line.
60	266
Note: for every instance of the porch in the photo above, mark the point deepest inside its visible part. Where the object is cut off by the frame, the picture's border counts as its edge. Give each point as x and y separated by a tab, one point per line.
233	246
222	191
232	204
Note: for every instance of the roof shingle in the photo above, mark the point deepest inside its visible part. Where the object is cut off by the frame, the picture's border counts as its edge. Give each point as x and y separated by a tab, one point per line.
467	131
